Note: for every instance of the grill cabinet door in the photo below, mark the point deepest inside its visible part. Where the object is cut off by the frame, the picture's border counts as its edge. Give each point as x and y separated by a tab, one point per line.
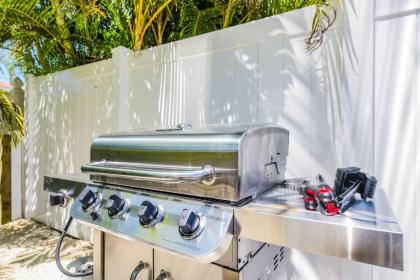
122	256
181	268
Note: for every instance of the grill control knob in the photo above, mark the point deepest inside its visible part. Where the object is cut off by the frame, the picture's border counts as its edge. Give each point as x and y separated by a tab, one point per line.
88	199
116	205
149	213
190	224
59	199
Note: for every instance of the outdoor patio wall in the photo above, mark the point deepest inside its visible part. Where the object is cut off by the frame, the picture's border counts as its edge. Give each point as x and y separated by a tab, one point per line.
381	105
338	103
396	107
64	111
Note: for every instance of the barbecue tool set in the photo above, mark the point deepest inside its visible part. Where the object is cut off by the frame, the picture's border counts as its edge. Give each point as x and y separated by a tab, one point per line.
349	182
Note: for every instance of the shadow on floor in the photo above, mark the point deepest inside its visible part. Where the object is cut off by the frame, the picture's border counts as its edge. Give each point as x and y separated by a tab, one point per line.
27	251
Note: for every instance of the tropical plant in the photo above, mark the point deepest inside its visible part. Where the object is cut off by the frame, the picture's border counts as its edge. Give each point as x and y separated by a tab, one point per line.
324	18
50	35
197	18
11	116
46	36
12	122
140	23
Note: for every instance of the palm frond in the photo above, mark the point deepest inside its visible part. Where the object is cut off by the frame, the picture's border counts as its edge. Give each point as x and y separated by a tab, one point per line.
324	18
117	28
45	36
12	120
196	21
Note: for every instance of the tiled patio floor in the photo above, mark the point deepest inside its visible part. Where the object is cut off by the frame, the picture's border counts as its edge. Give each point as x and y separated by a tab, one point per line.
27	251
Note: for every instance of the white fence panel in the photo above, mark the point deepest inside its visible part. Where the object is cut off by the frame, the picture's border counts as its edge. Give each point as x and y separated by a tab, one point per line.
395	130
392	8
254	72
343	104
64	111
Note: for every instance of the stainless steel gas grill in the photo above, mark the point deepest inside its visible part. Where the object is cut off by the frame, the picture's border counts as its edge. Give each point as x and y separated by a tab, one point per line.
219	162
185	203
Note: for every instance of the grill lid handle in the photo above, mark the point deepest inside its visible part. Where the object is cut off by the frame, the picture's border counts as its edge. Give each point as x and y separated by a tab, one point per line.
150	172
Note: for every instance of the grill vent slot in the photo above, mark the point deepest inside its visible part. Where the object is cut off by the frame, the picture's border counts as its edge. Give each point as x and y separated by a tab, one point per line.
278	258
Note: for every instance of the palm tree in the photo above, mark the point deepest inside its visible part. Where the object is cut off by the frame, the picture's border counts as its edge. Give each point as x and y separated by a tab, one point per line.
12	124
12	121
12	129
199	17
45	36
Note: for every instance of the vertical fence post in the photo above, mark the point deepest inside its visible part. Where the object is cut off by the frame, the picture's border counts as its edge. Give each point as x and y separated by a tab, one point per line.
28	142
17	95
121	61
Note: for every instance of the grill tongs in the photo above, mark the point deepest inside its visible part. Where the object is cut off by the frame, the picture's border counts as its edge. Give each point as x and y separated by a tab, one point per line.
344	200
151	172
350	181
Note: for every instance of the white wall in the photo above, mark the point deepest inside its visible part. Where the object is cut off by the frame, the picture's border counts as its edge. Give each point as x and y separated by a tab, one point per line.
351	102
17	175
381	74
396	120
64	111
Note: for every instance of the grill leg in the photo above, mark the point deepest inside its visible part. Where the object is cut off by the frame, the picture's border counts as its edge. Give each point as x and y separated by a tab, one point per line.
98	255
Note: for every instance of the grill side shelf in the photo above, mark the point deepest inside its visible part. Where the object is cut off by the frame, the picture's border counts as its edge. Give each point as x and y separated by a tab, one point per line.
367	233
71	184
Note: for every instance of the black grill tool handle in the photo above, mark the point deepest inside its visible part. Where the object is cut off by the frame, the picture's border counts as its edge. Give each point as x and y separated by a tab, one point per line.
344	199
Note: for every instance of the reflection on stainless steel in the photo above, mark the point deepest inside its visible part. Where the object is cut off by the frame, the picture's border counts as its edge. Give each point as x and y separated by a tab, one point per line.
368	232
209	246
205	174
265	264
239	253
121	257
246	160
178	191
71	184
98	254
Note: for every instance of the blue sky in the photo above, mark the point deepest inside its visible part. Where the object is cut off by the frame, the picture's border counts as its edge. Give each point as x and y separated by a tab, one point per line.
5	59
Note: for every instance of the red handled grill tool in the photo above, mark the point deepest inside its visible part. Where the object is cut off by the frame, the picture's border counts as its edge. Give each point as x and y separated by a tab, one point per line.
310	199
349	181
302	186
326	196
325	193
310	203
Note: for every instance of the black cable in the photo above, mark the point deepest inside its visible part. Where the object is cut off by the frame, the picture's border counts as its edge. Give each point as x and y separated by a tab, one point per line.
57	255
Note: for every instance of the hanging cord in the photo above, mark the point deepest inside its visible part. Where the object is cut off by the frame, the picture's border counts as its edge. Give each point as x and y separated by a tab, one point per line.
57	255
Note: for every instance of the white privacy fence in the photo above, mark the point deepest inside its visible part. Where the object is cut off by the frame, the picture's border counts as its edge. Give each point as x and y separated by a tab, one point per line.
352	102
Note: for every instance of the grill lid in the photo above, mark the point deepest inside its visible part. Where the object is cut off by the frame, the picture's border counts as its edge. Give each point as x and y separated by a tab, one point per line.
207	161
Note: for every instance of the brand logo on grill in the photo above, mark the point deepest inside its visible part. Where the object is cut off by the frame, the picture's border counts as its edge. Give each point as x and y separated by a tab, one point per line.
216	218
